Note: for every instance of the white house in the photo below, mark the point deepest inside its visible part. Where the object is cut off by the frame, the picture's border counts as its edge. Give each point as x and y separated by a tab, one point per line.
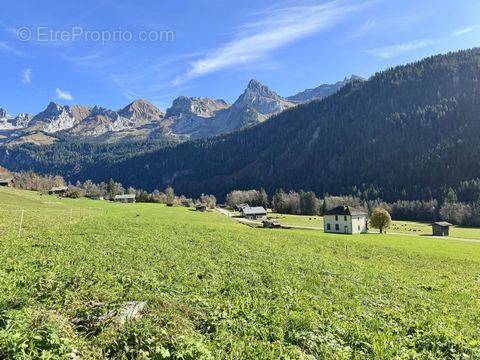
345	220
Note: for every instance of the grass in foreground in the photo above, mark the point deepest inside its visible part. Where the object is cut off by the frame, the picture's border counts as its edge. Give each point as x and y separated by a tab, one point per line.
217	289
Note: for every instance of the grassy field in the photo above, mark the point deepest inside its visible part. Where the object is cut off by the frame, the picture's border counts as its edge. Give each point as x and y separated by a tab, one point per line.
298	220
216	289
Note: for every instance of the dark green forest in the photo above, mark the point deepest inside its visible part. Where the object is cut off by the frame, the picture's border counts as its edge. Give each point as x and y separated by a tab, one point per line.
410	132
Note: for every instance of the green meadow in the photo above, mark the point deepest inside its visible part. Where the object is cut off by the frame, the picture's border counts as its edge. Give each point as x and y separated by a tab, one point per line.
216	289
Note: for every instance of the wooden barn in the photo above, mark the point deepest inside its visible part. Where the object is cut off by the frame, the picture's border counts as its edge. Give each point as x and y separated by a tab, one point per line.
6	182
128	198
201	207
441	228
254	213
60	190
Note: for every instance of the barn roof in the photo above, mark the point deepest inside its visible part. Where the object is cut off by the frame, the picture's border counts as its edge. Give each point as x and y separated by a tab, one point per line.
59	188
442	223
6	180
125	197
258	210
345	210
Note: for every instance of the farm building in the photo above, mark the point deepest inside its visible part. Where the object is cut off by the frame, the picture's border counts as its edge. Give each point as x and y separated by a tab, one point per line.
201	207
345	220
240	207
60	190
441	228
6	182
128	198
254	213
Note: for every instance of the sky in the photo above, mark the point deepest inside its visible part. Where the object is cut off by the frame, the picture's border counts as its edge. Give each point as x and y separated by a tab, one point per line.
111	52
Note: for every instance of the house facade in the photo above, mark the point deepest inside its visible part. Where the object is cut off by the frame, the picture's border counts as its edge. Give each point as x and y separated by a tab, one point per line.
345	220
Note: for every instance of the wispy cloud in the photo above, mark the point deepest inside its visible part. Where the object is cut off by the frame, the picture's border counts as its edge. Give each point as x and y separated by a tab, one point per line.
273	29
27	76
387	52
95	59
391	51
387	24
6	48
64	95
463	31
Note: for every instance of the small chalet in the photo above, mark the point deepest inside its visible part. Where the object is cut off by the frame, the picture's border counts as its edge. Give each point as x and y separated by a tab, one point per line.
441	228
127	198
254	213
201	207
240	207
60	190
345	220
6	182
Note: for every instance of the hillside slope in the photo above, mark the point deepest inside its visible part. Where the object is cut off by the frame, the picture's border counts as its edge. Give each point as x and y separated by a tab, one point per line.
408	132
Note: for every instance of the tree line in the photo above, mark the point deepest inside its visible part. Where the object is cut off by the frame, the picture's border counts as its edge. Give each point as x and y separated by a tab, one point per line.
107	190
308	203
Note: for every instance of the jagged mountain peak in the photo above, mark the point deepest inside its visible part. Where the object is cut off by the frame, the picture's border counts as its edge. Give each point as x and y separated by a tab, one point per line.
53	108
323	90
3	113
141	109
260	98
256	87
199	106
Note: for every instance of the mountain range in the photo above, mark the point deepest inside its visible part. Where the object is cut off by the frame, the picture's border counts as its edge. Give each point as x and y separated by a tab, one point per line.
411	132
187	118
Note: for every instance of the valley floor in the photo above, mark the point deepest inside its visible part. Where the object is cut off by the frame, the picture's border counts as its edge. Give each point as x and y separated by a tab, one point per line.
216	289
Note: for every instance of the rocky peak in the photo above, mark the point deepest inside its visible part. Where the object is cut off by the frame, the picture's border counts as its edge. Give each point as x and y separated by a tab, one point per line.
323	91
22	120
53	109
203	107
141	109
3	114
261	99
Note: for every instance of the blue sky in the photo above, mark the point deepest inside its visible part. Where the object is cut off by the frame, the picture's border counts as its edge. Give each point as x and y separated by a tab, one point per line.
109	52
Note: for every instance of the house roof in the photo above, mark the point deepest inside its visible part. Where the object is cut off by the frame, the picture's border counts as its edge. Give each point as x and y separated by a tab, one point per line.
258	210
345	210
442	223
60	188
125	197
6	180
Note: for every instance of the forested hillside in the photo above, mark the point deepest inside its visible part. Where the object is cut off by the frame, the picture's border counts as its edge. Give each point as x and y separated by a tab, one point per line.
409	132
68	156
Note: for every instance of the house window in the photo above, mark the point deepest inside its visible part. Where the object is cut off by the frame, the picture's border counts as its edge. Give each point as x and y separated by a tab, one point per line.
336	217
345	218
337	227
329	227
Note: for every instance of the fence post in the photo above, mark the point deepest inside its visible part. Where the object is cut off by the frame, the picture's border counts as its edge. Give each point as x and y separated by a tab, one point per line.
21	223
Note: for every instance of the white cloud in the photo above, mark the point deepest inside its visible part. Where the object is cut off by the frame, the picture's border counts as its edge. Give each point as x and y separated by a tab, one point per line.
64	95
27	76
464	31
275	28
387	52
